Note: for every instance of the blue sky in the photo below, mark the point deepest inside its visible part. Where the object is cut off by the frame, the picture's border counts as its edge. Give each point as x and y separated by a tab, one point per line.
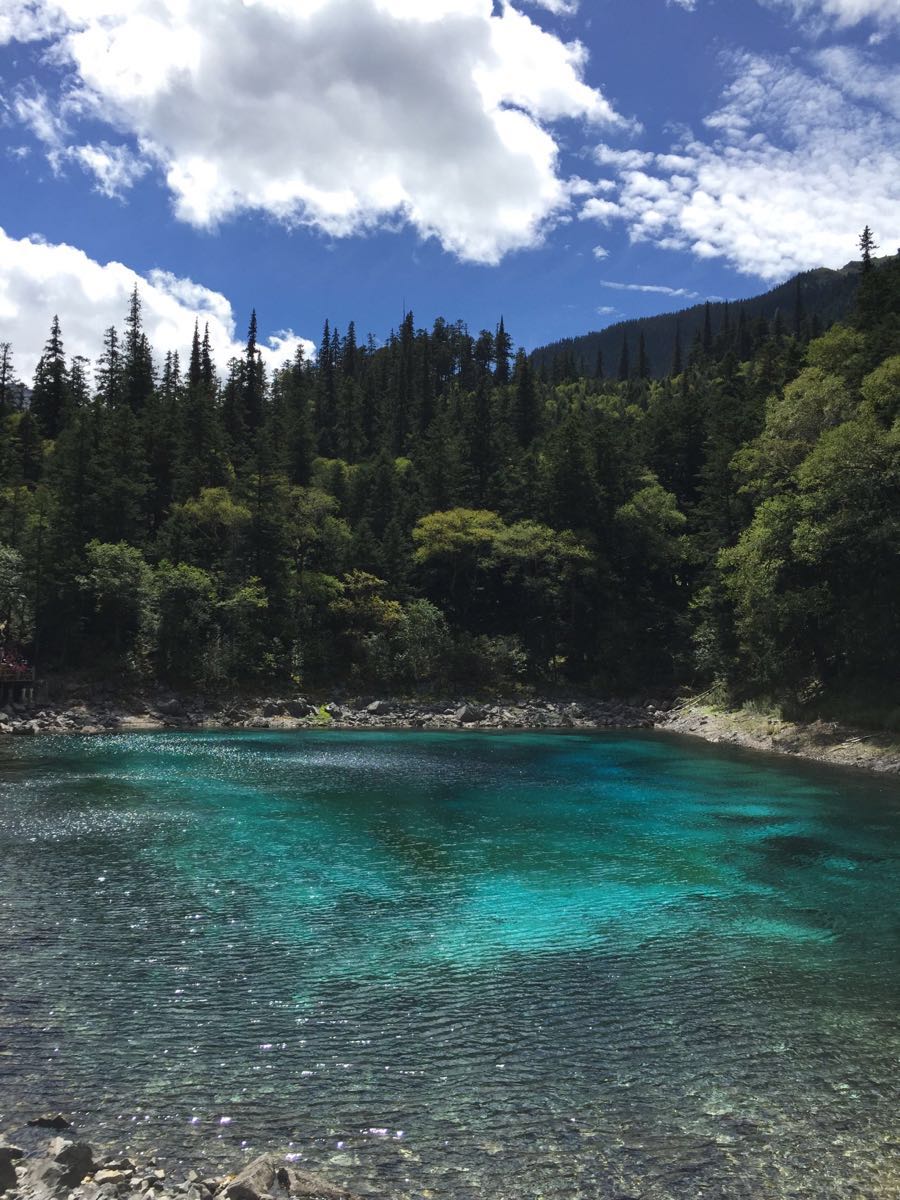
562	164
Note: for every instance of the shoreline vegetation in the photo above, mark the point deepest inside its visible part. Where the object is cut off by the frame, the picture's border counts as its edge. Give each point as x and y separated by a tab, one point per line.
99	710
439	515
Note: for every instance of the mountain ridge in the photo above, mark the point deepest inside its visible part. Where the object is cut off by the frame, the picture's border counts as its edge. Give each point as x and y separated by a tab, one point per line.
818	297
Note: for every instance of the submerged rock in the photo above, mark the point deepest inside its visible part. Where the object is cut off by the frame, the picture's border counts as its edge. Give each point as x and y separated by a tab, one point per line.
51	1121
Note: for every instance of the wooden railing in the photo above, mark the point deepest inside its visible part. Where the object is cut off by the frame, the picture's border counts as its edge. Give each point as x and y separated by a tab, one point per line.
10	675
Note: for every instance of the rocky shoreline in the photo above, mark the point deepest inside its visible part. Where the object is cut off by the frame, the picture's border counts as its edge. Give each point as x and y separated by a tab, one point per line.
819	741
102	712
51	1164
92	710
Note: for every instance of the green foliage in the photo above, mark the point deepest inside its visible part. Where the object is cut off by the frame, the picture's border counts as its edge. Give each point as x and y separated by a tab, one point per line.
442	511
117	583
186	604
16	616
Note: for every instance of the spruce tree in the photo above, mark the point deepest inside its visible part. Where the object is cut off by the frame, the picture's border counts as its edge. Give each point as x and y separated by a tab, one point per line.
50	395
643	366
867	245
676	353
502	354
137	366
707	329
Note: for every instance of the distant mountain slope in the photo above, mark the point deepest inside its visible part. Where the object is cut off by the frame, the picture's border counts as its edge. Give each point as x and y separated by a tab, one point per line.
825	296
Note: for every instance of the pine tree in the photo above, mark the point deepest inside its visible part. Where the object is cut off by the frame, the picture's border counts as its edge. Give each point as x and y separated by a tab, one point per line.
624	361
137	366
50	395
110	380
799	312
253	381
502	354
526	406
7	380
707	329
676	353
326	395
744	340
302	441
867	245
643	366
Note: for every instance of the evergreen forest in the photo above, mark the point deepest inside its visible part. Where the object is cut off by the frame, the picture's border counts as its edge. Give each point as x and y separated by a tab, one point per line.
441	511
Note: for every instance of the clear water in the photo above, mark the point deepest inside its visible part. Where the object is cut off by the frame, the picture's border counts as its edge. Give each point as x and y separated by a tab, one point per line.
458	966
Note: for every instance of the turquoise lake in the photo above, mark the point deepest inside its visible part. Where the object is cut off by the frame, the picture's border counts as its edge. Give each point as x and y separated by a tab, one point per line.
458	966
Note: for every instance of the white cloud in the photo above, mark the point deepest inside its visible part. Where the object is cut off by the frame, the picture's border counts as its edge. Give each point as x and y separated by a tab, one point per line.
28	20
35	111
559	8
346	115
115	168
607	310
621	159
860	77
655	289
796	165
603	211
820	14
38	280
600	252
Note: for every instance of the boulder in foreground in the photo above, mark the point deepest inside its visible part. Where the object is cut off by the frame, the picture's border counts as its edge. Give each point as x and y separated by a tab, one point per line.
270	1176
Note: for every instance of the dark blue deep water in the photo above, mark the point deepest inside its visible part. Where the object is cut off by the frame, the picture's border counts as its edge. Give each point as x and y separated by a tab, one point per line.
458	965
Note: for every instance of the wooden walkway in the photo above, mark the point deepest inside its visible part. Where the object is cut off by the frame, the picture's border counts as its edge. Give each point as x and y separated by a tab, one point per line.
16	687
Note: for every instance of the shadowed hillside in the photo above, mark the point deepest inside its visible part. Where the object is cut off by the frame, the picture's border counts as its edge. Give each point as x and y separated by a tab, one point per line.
808	304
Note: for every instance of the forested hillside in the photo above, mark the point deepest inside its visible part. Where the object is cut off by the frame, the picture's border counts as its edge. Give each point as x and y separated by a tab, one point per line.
656	346
430	512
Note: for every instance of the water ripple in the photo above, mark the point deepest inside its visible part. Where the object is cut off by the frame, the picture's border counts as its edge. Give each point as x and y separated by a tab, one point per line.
462	966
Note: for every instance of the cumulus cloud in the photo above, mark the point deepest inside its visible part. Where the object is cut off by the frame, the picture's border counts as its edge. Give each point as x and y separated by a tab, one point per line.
345	115
603	211
796	163
38	279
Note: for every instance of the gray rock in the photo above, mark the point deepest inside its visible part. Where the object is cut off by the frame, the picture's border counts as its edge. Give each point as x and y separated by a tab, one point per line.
270	1175
51	1121
469	713
299	709
170	708
381	708
42	1178
110	1175
8	1155
76	1159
